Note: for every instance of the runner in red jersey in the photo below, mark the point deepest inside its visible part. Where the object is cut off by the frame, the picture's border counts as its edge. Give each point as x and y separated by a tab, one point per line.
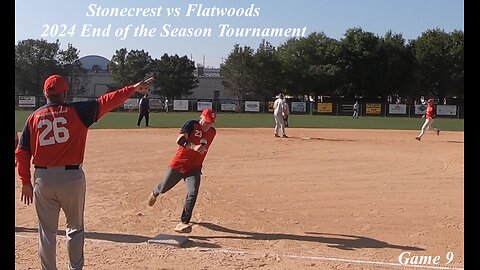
429	116
194	140
55	136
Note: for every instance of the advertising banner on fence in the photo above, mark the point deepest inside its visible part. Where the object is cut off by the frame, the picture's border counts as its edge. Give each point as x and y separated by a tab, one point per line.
229	105
324	107
447	110
299	106
131	104
252	106
397	108
373	108
420	109
180	105
26	101
76	99
201	105
346	108
156	104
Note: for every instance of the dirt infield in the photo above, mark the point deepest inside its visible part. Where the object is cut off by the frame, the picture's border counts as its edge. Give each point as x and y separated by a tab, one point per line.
322	199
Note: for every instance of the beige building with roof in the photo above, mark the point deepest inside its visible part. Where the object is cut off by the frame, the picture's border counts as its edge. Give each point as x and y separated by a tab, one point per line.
99	78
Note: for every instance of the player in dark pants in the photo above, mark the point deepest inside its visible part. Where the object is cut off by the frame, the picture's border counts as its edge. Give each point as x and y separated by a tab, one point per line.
55	136
194	140
144	110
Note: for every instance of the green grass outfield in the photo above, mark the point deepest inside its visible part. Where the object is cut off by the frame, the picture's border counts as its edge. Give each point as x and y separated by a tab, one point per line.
124	120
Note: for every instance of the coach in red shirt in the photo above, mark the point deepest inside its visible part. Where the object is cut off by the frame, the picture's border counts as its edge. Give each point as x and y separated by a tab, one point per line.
194	140
55	136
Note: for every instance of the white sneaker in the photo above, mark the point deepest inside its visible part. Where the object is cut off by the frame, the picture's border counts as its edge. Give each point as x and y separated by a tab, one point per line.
183	228
152	199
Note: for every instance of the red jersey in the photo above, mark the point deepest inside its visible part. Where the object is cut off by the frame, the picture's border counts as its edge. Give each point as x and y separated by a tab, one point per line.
431	112
187	160
56	133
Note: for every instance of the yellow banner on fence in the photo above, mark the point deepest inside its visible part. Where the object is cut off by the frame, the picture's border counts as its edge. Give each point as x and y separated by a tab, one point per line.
373	108
324	107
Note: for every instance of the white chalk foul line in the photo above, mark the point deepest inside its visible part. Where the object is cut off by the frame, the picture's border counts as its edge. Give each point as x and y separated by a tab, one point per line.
371	262
322	258
319	258
88	239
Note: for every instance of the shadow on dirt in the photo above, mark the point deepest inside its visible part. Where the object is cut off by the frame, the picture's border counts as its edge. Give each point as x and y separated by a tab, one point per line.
122	238
112	237
340	241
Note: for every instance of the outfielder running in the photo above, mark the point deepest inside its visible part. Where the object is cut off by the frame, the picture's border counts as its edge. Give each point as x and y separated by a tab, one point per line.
55	135
429	116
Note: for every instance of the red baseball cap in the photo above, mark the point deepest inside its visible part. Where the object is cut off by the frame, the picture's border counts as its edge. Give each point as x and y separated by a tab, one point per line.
209	115
55	84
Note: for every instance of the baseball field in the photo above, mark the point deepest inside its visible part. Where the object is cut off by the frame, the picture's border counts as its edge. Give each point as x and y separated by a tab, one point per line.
339	193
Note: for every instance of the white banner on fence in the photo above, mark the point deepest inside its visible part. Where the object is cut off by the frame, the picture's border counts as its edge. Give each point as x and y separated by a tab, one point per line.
131	104
26	101
299	106
201	105
228	105
446	109
180	105
156	104
397	108
420	109
79	99
252	106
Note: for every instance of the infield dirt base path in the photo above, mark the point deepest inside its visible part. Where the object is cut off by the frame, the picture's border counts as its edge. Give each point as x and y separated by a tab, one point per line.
321	199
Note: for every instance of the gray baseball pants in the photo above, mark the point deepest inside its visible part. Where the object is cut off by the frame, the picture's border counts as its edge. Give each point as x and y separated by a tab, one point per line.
192	181
56	188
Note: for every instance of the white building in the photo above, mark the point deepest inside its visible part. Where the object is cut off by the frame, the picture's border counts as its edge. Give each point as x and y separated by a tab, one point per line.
98	78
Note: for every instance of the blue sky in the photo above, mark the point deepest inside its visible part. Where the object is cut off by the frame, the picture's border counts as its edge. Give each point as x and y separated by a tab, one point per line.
333	17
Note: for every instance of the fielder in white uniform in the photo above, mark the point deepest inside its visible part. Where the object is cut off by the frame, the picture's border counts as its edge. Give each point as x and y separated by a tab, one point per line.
278	115
356	108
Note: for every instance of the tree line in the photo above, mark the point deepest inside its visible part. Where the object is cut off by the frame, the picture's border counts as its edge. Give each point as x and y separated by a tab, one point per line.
360	64
35	60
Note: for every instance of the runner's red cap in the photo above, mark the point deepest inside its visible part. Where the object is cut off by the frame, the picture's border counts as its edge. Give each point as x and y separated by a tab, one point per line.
209	115
55	84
